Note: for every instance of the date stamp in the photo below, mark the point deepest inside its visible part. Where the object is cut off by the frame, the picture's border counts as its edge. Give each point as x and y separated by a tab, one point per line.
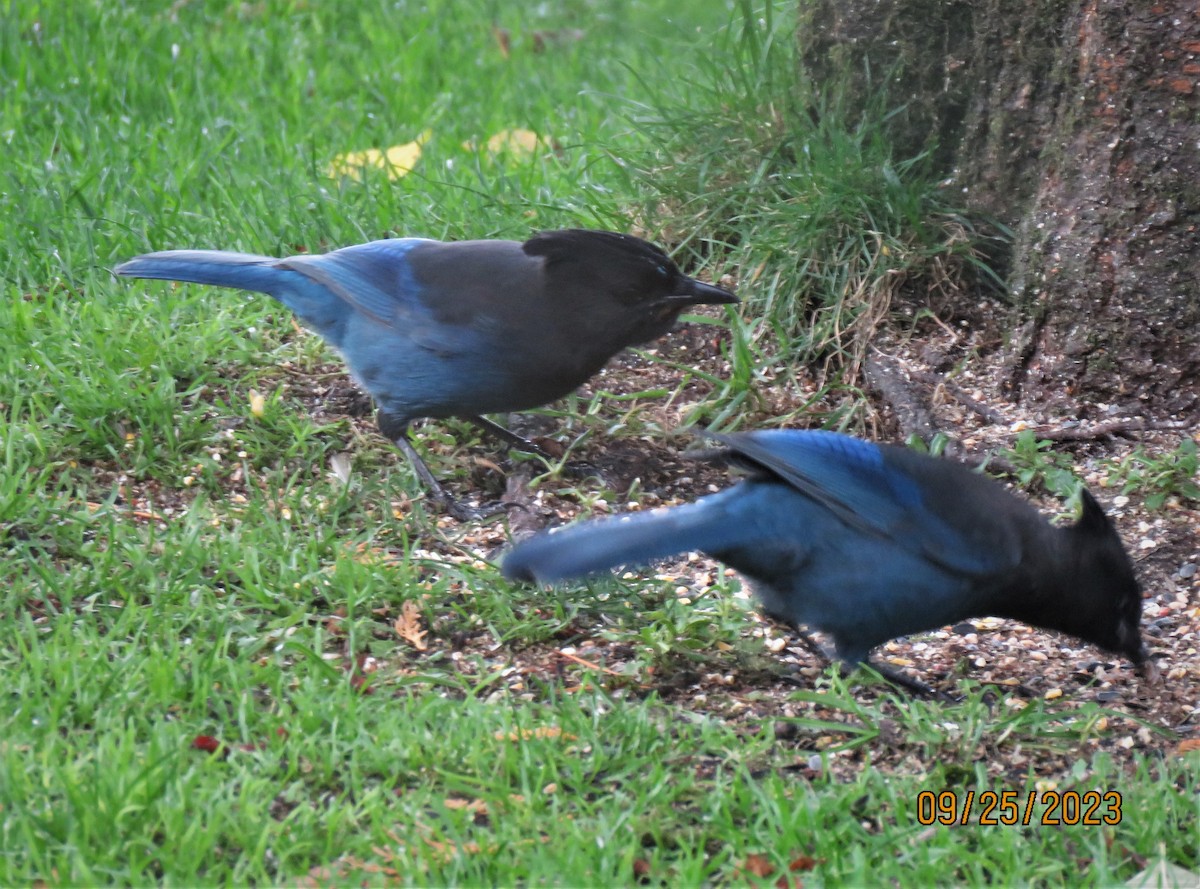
1039	807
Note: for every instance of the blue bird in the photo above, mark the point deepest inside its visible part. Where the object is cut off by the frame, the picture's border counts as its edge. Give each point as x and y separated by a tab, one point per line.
869	542
461	329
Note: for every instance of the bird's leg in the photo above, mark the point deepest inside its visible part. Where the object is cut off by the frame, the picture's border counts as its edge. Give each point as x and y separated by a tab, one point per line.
893	676
508	436
459	510
396	429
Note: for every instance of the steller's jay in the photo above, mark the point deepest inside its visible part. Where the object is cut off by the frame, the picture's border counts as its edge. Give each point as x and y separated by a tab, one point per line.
464	328
868	542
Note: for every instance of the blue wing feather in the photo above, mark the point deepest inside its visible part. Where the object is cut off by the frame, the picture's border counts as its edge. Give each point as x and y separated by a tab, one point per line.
855	481
377	279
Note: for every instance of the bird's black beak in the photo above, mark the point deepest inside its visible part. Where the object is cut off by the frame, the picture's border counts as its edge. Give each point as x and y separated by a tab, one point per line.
700	293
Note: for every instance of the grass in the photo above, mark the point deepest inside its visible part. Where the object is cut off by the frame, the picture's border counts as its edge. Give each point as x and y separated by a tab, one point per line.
182	571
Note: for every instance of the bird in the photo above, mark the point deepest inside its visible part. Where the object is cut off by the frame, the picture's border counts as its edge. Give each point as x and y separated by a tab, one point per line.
868	542
442	329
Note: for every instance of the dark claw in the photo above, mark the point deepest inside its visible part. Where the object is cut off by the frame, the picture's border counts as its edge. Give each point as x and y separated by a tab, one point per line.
464	513
904	681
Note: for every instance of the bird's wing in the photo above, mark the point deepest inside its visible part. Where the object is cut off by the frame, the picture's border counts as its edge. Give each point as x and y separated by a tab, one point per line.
851	478
375	278
378	280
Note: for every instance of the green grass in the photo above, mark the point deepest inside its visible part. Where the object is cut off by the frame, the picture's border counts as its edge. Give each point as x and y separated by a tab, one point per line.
177	567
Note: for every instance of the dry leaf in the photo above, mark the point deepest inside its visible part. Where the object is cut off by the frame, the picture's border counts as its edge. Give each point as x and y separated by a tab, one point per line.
365	554
475	806
396	161
516	142
1163	874
503	39
408	625
450	851
802	862
488	464
759	865
339	465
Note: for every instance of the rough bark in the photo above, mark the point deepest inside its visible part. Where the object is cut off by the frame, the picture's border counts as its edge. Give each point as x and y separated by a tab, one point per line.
1076	122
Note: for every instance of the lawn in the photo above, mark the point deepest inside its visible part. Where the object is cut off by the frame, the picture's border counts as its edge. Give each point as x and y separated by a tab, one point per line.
239	646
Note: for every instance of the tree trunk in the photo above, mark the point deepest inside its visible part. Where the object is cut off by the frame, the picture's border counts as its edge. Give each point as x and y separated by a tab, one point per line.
1076	123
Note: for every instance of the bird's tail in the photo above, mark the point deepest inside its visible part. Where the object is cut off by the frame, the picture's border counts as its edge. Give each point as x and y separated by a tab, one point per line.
244	271
591	547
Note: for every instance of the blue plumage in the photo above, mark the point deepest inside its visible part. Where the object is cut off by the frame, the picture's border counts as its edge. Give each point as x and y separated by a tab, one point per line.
868	542
441	329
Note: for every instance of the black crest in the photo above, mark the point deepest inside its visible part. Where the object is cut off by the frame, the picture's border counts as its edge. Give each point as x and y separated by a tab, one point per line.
626	266
576	244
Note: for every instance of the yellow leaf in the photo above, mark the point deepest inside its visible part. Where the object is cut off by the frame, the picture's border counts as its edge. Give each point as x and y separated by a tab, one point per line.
402	158
258	404
396	161
352	163
516	142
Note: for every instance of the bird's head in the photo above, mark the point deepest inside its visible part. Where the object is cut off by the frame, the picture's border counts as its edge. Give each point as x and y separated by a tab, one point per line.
626	280
1113	617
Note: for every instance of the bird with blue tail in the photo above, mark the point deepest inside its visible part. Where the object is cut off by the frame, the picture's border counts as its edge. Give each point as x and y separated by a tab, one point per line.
463	328
868	542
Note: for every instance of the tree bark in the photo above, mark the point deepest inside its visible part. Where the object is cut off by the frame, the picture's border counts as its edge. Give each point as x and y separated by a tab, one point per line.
1076	123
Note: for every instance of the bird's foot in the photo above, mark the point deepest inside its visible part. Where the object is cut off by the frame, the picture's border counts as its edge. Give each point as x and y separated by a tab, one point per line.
902	680
464	513
451	504
1149	671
